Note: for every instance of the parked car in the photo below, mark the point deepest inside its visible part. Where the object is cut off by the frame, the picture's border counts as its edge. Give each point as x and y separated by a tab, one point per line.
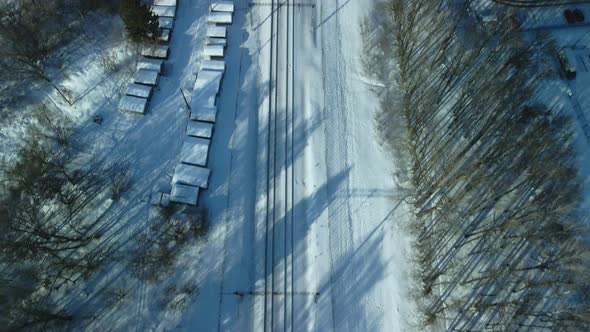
569	16
578	15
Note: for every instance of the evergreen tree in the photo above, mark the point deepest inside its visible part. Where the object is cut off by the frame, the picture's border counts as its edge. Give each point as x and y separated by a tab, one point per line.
139	21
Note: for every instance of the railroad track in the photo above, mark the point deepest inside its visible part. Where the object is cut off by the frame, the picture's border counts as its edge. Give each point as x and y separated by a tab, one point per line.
278	292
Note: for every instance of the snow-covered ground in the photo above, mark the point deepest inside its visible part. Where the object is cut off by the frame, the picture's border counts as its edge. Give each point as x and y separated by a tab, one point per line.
550	22
332	252
336	224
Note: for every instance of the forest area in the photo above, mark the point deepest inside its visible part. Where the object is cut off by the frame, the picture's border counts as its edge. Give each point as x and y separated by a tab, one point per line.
501	243
59	201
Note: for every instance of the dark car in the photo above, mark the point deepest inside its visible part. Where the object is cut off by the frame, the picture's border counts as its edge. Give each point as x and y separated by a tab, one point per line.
569	16
578	15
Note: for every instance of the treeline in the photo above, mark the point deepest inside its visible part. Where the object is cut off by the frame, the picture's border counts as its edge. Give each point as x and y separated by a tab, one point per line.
495	189
55	231
49	221
31	30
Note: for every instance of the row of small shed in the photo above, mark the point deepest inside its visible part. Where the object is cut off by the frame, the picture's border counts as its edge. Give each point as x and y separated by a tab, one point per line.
151	65
191	174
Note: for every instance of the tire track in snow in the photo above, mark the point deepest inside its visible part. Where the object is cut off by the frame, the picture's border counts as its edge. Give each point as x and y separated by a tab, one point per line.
337	162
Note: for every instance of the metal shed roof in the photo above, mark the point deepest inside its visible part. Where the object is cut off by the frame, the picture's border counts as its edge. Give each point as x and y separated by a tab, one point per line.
139	90
195	151
133	104
184	194
191	175
199	129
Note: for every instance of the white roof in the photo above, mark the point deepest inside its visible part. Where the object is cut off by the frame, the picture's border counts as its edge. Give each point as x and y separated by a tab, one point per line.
165	22
184	194
195	151
139	90
208	79
204	114
146	76
164	2
216	41
190	175
165	201
151	64
571	57
133	104
164	35
214	50
206	88
155	51
156	198
215	31
219	18
164	11
222	6
199	129
213	64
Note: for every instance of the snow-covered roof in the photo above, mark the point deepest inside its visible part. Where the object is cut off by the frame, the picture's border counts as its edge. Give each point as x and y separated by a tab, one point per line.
139	90
165	22
165	3
204	114
147	77
206	88
221	6
220	18
151	64
156	198
164	11
487	16
191	175
195	151
213	64
216	41
215	31
165	201
214	50
208	79
164	35
199	129
569	53
155	51
133	104
184	194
